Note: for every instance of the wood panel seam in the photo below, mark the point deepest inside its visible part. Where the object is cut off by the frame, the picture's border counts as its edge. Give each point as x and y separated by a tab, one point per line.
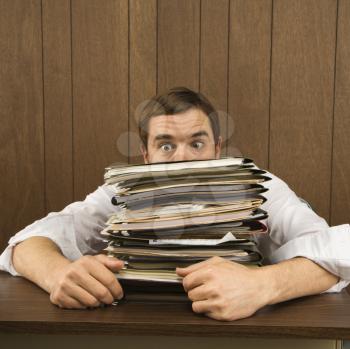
270	87
228	77
157	53
43	108
333	119
128	138
72	96
199	45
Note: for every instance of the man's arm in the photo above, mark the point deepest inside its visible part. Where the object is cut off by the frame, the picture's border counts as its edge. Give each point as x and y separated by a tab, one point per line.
86	282
44	250
295	230
226	290
307	251
297	277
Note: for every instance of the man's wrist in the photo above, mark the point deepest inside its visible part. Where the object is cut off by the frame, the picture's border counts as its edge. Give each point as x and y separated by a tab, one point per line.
270	287
54	269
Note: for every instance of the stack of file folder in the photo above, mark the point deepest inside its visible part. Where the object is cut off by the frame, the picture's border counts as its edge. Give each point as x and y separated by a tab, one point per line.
176	214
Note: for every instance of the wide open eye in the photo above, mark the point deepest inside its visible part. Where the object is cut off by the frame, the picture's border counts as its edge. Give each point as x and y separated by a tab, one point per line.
167	147
197	145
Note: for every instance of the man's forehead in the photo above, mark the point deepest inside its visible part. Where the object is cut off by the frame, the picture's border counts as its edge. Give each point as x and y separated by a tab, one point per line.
185	123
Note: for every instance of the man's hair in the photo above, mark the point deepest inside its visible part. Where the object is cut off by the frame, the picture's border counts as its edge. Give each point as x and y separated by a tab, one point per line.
174	101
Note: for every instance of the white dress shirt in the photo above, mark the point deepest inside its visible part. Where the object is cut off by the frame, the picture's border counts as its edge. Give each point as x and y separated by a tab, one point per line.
294	229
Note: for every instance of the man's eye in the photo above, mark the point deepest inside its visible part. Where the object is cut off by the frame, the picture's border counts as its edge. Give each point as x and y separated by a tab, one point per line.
167	147
197	145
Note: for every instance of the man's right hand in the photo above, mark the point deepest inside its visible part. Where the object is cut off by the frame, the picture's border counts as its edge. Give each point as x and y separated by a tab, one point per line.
87	282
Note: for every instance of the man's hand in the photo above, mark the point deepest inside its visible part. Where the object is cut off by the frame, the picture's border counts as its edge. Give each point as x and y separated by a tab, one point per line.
224	290
227	290
86	282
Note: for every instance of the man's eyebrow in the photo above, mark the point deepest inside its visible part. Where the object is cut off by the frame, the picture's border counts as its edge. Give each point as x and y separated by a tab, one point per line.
163	136
166	136
200	133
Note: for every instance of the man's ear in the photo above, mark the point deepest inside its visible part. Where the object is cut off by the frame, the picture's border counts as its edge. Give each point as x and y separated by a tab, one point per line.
144	153
218	148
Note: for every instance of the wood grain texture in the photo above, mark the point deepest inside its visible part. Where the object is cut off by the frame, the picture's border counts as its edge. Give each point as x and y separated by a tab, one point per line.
55	141
58	103
21	113
143	65
69	341
100	89
214	58
27	309
249	79
303	54
178	44
341	141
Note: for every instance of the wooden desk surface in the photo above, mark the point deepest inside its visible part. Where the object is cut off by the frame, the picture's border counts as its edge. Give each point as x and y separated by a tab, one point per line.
25	308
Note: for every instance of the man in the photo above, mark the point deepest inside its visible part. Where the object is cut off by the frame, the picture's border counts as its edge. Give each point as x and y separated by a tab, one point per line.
182	125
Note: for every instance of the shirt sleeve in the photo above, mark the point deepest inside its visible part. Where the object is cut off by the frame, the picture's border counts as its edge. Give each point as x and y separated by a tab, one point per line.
75	230
298	231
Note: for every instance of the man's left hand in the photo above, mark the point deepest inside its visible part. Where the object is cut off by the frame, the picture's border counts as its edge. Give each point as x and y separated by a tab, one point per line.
225	290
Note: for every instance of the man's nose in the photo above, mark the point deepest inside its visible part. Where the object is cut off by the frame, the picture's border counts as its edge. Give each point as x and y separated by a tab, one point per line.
182	154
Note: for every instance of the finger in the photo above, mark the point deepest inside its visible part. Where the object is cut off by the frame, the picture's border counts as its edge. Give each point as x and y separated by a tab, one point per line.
196	266
68	302
196	278
106	277
202	306
112	263
90	292
199	293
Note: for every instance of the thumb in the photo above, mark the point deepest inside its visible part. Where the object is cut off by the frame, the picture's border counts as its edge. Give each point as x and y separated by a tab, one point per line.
112	263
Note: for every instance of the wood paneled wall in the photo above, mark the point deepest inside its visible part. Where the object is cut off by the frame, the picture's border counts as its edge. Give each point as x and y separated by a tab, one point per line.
73	72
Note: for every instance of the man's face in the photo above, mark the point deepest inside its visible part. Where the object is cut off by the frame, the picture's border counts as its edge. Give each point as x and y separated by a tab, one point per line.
180	137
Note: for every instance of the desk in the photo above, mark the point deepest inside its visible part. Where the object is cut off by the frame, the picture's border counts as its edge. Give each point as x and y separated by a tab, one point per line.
26	314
